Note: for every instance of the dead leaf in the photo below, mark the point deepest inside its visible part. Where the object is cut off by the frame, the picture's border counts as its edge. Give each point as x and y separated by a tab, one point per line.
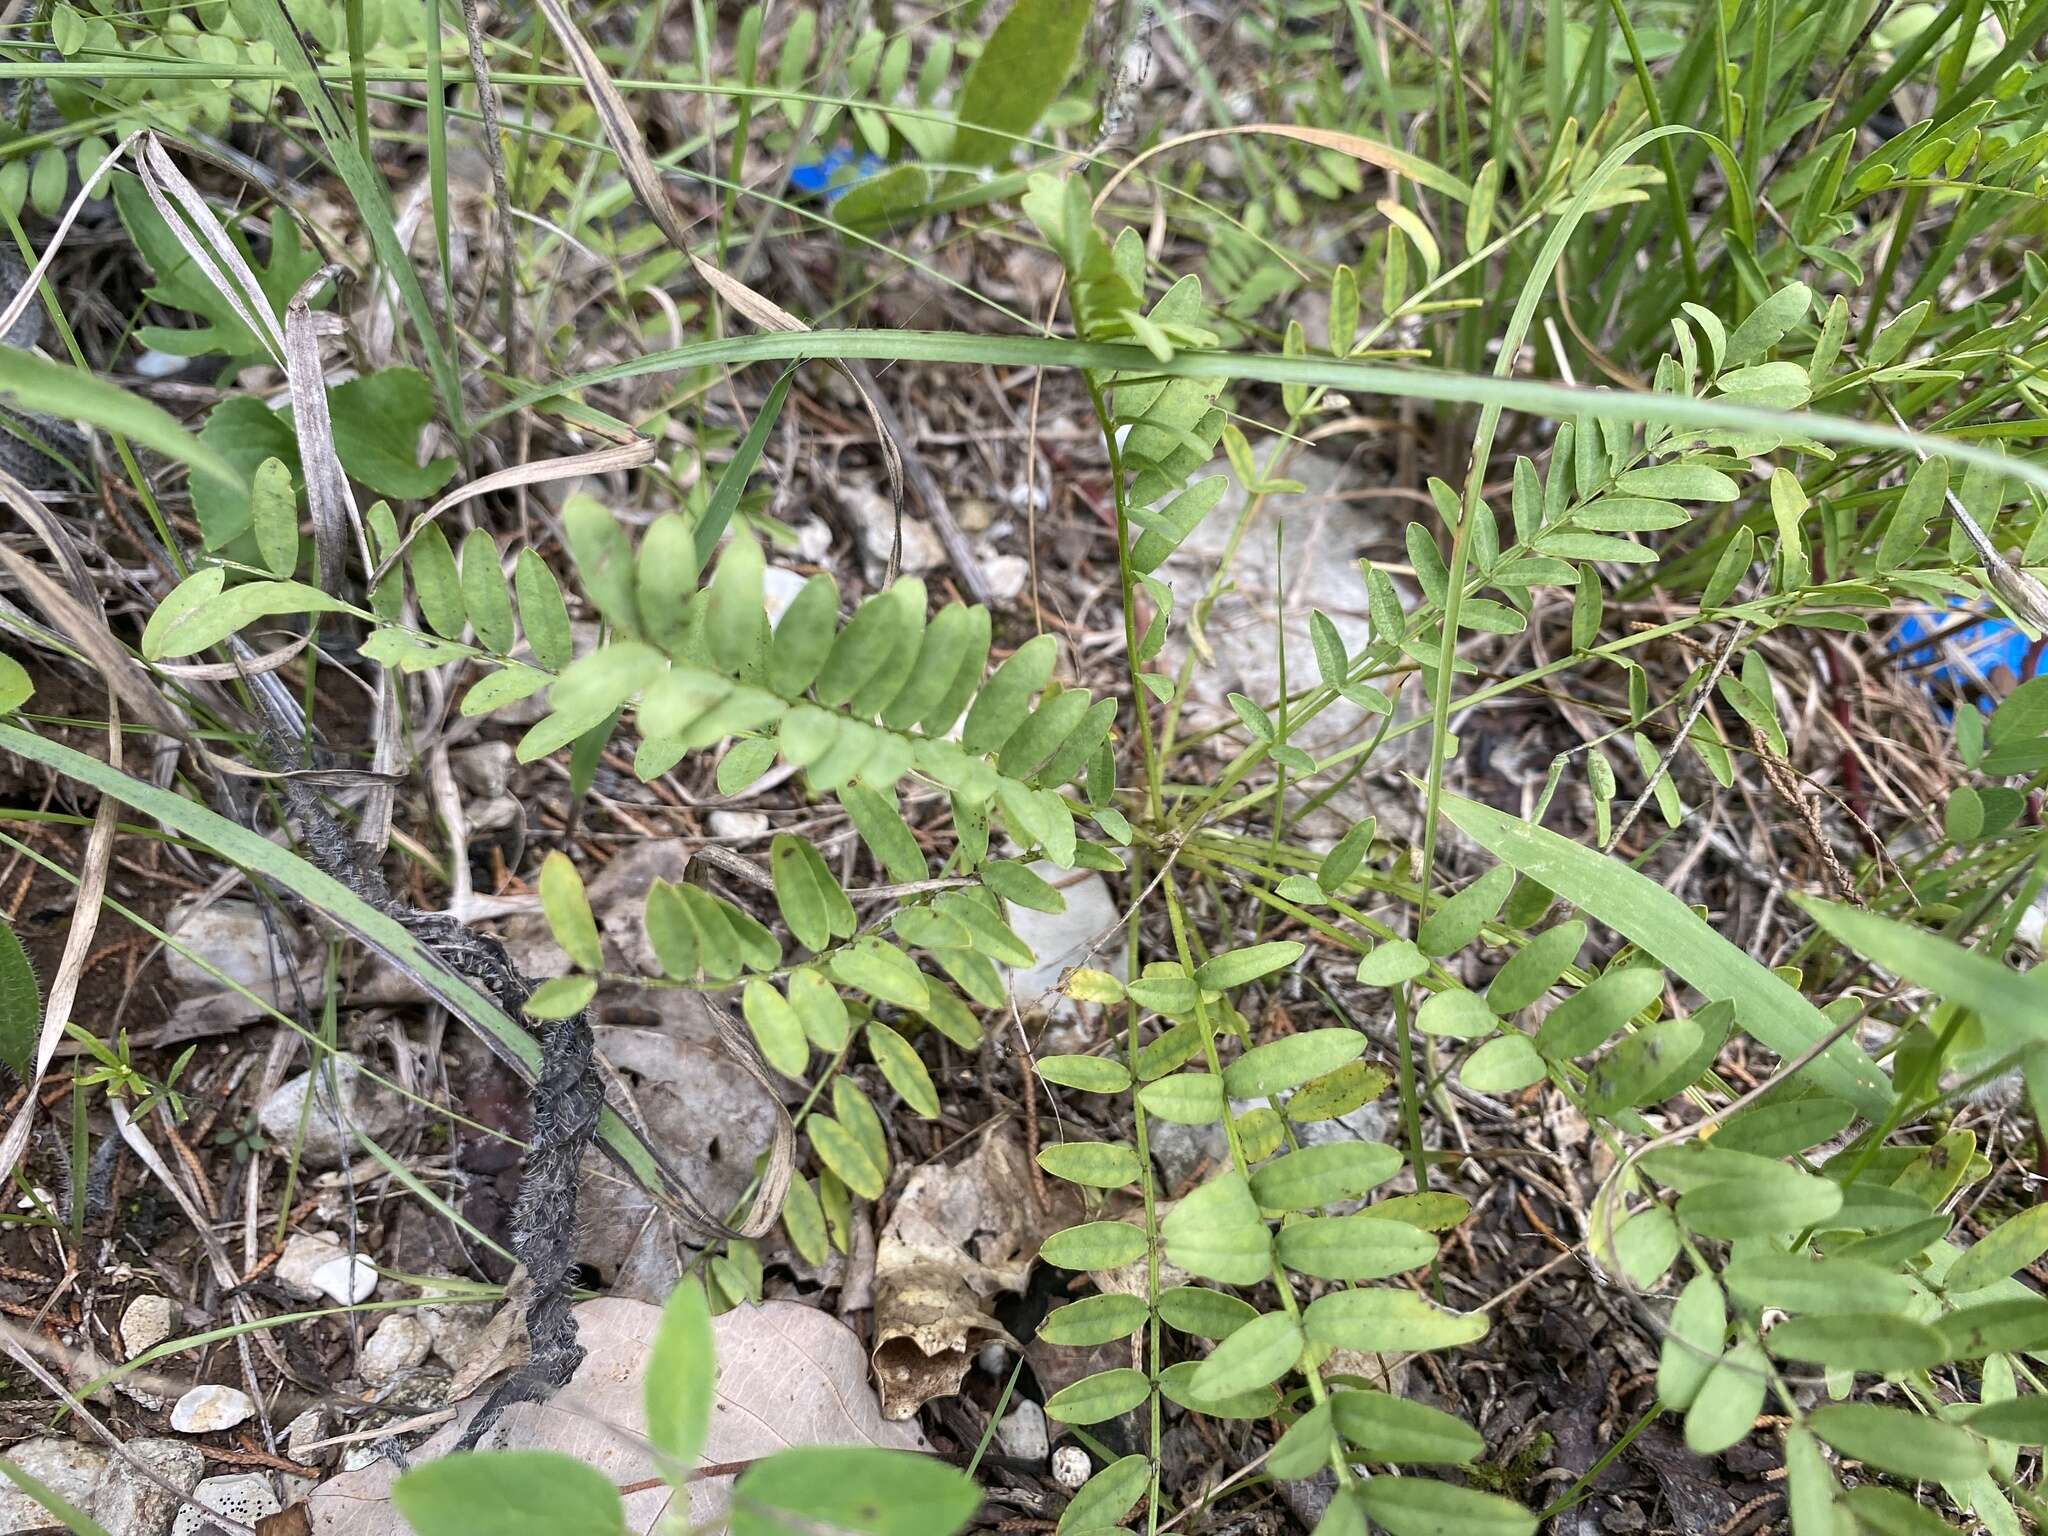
958	1236
787	1375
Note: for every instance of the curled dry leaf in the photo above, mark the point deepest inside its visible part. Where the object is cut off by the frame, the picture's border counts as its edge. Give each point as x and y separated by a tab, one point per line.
787	1375
958	1236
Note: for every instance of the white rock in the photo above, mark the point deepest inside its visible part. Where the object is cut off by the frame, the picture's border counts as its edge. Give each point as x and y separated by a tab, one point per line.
494	814
1062	940
301	1434
146	1323
305	1255
455	1328
779	587
1070	1466
153	364
733	826
244	1496
229	936
1006	575
399	1344
875	516
814	539
347	1280
1022	1433
132	1504
65	1467
362	1101
203	1410
484	770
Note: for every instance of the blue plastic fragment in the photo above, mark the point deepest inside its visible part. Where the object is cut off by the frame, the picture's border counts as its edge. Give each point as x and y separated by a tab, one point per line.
1977	650
835	172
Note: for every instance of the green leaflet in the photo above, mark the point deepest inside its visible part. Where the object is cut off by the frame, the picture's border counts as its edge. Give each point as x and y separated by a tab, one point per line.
842	1488
1416	1506
904	1070
807	894
1021	69
1216	1232
567	908
1385	1319
1384	1427
1324	1174
21	1006
519	1493
1662	925
679	1376
1287	1063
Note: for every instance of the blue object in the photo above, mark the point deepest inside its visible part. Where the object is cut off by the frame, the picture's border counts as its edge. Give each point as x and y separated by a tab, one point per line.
825	173
1981	648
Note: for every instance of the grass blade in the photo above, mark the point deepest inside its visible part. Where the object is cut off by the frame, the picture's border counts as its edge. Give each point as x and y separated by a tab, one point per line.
1664	927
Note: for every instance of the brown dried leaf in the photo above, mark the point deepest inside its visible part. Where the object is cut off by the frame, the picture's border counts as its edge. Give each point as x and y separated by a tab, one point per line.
958	1236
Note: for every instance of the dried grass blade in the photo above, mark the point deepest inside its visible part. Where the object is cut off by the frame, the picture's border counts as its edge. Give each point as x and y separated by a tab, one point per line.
27	293
599	461
328	497
178	201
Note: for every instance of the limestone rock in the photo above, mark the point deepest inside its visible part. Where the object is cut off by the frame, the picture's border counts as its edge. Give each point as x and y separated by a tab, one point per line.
244	1496
357	1100
231	937
400	1343
65	1467
1063	940
146	1323
347	1280
1023	1434
132	1504
205	1410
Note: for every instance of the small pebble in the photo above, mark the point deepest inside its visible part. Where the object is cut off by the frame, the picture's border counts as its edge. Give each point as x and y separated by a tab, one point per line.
1006	575
1022	1432
242	1496
737	826
204	1410
1070	1466
146	1323
347	1280
779	587
399	1344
